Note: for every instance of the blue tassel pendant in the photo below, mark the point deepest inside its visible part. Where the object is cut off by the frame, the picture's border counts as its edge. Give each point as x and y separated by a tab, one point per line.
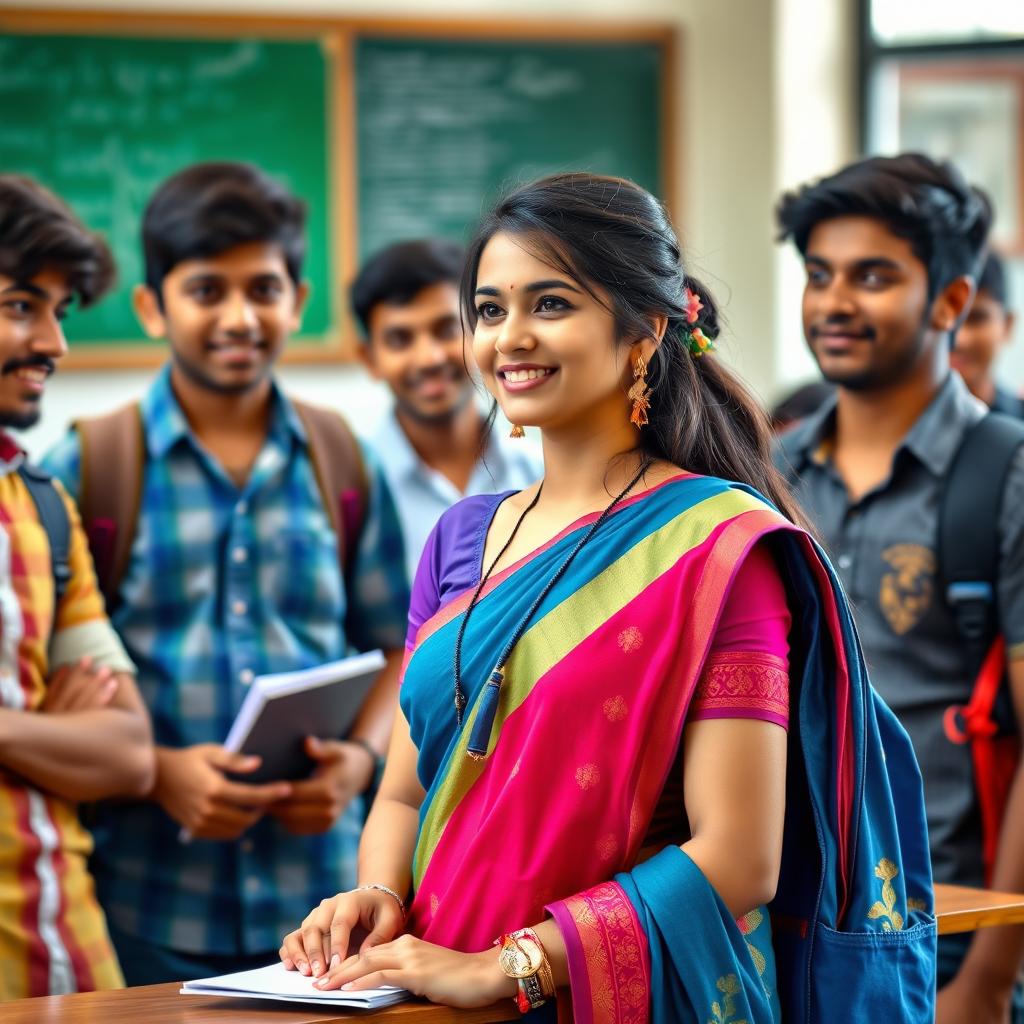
487	709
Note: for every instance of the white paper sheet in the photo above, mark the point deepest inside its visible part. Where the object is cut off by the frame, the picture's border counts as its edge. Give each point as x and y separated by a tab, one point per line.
274	982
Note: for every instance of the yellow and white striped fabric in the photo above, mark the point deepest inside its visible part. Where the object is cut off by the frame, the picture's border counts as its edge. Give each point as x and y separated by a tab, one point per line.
53	938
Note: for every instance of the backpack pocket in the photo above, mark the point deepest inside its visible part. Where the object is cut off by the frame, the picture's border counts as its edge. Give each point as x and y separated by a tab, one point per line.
873	975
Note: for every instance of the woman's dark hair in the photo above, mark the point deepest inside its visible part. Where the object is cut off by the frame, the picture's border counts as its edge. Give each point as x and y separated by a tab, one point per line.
209	208
39	232
610	236
398	273
944	219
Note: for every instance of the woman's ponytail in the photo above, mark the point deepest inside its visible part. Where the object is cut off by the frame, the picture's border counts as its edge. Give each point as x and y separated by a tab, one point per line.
703	417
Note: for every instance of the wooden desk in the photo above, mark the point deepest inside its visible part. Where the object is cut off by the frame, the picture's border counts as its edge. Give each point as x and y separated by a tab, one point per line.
161	1004
957	908
960	909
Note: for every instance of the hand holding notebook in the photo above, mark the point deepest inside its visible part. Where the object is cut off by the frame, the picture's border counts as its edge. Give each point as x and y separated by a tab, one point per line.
281	711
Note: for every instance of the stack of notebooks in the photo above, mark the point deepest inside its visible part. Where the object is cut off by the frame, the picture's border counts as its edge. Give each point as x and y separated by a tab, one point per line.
276	983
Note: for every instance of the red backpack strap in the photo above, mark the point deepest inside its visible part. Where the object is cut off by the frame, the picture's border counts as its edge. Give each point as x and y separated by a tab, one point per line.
995	757
110	491
340	475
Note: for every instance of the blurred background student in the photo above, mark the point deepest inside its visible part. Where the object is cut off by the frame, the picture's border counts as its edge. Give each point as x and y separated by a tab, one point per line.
434	444
986	331
234	571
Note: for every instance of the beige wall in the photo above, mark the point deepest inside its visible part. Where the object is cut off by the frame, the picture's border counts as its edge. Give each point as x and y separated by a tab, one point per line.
815	132
763	88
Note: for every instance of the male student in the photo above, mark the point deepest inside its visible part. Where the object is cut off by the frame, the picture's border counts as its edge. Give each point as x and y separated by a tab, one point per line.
233	572
986	331
72	725
892	247
434	445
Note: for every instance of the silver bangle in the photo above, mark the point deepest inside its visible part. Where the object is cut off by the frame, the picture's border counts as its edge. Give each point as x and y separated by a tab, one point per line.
383	888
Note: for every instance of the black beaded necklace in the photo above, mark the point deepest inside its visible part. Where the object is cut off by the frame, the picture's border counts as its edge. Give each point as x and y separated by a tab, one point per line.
488	704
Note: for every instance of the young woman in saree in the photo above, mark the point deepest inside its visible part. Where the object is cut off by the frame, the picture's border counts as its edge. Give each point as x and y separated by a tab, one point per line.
638	772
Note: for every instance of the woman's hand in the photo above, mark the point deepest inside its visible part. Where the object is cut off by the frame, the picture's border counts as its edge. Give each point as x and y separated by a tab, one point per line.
327	935
441	975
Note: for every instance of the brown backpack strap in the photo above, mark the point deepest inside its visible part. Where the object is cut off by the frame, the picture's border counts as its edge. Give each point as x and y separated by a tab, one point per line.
340	475
110	491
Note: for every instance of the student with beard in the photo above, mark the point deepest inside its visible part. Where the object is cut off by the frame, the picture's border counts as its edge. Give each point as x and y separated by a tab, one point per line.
892	249
72	725
434	445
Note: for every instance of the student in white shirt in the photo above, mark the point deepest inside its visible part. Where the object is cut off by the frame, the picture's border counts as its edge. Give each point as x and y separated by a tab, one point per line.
435	445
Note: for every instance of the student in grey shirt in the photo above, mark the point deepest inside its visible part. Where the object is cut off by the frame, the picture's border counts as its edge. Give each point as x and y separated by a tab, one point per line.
891	248
433	446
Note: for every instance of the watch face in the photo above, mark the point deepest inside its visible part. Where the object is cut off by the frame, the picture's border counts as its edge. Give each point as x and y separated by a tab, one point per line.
519	958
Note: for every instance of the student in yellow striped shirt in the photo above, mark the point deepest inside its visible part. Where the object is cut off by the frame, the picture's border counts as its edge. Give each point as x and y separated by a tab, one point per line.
72	725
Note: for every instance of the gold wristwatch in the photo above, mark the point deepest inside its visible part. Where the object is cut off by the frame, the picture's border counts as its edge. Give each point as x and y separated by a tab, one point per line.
523	958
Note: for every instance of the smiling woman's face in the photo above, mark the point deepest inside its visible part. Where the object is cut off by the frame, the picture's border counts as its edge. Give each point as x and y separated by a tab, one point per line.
546	348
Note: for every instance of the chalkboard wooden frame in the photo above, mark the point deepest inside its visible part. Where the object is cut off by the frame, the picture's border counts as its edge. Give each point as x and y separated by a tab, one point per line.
338	35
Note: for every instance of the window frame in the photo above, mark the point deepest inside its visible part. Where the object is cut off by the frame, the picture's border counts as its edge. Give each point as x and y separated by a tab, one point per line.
872	52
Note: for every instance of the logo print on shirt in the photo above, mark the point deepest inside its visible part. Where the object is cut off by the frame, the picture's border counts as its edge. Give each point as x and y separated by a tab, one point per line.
906	592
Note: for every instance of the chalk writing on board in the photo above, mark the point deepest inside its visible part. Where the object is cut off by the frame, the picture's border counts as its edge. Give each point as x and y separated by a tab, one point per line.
103	120
443	126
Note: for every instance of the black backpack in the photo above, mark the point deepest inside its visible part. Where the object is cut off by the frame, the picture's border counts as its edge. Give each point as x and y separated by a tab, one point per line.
968	557
53	517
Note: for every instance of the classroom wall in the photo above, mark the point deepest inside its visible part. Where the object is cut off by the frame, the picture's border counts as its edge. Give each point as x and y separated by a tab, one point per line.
815	132
762	88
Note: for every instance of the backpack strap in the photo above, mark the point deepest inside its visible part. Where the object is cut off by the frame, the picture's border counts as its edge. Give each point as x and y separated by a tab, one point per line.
968	555
968	535
340	475
110	491
53	517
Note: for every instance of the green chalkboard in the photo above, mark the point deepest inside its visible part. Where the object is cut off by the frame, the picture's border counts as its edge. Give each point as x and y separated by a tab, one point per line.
443	126
103	119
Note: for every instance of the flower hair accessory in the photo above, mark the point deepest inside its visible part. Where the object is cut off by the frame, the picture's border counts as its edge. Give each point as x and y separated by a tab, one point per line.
696	341
693	306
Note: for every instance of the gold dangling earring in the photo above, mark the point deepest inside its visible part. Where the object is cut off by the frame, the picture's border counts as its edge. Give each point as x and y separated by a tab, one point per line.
517	431
639	394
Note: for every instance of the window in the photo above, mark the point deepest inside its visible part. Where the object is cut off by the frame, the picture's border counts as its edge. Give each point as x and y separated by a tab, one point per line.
936	21
946	78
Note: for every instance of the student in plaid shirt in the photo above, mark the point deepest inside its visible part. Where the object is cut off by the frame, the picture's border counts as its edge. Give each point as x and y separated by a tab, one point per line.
234	572
72	725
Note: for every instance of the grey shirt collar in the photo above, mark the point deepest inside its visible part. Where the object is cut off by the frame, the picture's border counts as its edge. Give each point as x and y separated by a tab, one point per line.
933	439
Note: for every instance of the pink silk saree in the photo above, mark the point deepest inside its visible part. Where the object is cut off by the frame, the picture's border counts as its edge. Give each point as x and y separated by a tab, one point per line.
589	723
